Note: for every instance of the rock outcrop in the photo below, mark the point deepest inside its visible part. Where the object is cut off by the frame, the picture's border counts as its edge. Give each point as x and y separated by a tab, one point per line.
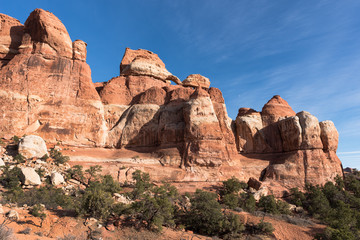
196	80
305	150
46	87
46	90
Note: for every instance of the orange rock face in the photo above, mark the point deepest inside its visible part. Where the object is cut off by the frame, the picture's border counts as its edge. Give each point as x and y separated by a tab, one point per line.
305	149
46	90
11	32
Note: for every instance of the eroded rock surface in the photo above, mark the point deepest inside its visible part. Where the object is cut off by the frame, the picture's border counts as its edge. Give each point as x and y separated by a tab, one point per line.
46	90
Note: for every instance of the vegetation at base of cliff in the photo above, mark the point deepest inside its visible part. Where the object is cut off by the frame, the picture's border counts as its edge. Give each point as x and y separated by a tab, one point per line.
58	157
150	206
335	204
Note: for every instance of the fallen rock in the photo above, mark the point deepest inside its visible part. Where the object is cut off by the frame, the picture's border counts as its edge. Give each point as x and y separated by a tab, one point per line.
264	191
32	146
13	215
30	177
254	183
122	199
57	178
2	163
196	80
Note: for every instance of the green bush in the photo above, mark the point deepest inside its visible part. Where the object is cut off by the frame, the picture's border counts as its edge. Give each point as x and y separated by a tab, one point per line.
19	158
231	200
76	172
16	139
38	211
233	185
247	202
142	184
58	157
96	202
205	216
157	208
296	197
10	178
268	204
265	227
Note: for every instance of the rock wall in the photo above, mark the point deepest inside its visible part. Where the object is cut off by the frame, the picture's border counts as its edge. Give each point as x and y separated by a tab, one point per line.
46	90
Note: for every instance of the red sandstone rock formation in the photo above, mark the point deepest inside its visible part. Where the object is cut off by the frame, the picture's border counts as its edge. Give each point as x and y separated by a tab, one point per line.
46	89
305	149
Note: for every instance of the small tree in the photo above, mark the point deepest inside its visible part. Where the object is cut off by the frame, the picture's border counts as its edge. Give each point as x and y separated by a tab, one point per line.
233	185
142	184
96	202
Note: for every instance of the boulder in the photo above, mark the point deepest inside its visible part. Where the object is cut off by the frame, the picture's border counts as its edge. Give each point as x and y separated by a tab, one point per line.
254	183
329	135
146	63
32	146
13	215
264	191
196	80
57	179
2	163
29	176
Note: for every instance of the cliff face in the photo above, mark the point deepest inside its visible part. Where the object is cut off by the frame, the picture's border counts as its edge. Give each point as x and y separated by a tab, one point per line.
46	89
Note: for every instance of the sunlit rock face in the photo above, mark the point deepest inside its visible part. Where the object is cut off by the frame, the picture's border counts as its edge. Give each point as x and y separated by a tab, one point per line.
305	149
46	90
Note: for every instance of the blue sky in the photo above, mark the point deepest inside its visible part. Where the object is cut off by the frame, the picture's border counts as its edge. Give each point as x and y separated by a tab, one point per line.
306	51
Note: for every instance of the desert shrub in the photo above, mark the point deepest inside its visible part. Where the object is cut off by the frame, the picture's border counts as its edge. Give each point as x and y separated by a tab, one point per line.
58	157
296	197
283	207
48	195
76	172
233	185
19	158
316	202
109	184
264	228
96	202
16	139
268	204
205	216
336	234
156	208
142	184
247	202
38	211
93	174
10	178
231	200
